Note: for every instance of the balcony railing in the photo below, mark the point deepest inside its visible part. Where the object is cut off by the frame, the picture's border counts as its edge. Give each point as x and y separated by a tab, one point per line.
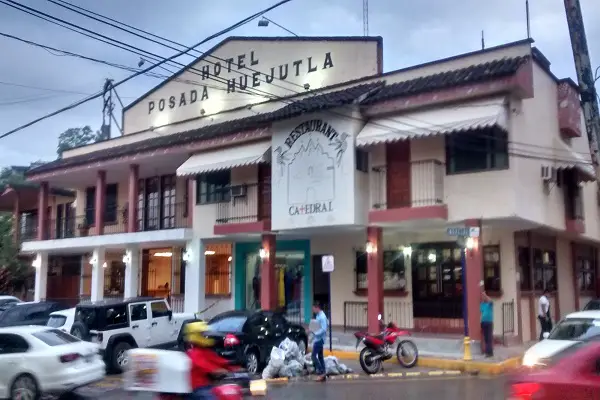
149	218
424	188
251	206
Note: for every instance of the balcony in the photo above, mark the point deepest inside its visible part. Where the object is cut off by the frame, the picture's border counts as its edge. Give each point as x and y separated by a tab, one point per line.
408	191
248	210
169	216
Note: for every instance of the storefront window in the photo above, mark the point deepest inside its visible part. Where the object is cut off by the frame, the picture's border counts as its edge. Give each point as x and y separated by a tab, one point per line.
394	272
544	269
114	278
491	268
586	265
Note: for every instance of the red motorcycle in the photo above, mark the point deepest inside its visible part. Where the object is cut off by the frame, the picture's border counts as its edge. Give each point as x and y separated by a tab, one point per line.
378	348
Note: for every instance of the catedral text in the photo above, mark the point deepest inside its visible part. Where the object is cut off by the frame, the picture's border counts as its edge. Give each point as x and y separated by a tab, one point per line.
247	75
314	208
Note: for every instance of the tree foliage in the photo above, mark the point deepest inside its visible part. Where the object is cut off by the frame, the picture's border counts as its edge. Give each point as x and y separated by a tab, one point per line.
75	137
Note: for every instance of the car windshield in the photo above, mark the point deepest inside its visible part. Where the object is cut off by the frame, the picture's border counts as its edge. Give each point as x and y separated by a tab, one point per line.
54	337
56	321
576	329
227	324
593	305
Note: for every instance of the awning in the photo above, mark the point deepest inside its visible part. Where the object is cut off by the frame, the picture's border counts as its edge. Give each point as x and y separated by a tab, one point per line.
567	158
226	158
449	119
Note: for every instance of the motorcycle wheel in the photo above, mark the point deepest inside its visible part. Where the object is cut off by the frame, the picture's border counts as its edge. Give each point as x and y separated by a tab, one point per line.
370	367
407	353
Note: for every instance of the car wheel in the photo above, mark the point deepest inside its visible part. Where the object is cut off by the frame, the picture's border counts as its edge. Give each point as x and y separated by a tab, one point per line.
24	388
252	362
119	358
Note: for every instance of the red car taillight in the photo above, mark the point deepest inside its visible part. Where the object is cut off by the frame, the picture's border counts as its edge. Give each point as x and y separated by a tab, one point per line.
67	358
231	340
524	391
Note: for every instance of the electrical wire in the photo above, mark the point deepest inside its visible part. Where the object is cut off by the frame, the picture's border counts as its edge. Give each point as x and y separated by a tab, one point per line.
122	81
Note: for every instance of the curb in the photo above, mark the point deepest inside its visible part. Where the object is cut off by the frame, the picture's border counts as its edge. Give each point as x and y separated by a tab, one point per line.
390	375
476	367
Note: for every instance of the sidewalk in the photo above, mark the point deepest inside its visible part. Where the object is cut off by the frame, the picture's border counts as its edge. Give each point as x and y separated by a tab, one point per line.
439	352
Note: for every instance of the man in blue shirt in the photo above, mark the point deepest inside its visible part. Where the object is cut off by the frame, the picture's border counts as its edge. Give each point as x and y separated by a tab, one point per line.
486	307
319	341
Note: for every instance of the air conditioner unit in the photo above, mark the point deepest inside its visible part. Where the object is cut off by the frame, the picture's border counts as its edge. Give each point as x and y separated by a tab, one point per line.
238	191
549	174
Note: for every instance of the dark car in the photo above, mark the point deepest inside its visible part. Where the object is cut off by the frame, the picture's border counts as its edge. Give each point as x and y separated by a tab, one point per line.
35	313
592	305
247	337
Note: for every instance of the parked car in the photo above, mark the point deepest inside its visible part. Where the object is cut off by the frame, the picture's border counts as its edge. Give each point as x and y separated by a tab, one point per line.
247	337
39	359
119	325
6	300
574	328
592	305
31	313
63	320
573	372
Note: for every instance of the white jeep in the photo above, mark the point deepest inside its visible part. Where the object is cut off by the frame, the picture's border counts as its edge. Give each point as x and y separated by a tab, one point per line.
120	325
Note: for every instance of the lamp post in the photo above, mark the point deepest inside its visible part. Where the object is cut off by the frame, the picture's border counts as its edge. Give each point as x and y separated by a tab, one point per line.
264	22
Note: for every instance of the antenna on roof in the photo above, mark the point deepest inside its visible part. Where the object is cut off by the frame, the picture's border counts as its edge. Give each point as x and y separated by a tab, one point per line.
482	40
528	19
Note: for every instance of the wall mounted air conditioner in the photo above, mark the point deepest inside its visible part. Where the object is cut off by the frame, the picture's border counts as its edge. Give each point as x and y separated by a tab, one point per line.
239	191
549	174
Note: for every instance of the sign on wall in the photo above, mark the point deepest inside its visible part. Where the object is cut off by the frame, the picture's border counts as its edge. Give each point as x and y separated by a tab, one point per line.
313	175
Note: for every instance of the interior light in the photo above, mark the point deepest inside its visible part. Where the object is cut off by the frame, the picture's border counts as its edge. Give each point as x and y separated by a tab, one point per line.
431	257
229	258
104	265
163	254
407	250
209	252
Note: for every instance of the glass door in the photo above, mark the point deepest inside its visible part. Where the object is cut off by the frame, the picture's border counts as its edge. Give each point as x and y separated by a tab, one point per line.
152	204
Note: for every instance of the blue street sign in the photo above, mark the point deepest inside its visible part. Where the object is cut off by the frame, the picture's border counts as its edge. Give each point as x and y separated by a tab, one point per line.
458	231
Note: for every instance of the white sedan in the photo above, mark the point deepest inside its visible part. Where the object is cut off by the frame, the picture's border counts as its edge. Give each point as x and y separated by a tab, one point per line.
41	359
574	328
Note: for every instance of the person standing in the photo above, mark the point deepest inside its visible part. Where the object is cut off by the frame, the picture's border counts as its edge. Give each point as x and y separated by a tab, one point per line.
544	314
486	307
320	330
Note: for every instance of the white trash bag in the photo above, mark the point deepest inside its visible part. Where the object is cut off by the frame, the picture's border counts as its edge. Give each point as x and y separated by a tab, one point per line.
291	369
276	362
291	349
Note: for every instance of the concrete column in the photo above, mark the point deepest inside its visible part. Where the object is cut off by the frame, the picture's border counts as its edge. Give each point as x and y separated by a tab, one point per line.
268	282
83	261
190	202
132	198
474	271
43	211
100	202
195	276
17	221
98	262
375	277
132	265
41	276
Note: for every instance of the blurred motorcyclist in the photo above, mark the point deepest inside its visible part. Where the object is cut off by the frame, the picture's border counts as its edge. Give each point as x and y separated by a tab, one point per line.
206	363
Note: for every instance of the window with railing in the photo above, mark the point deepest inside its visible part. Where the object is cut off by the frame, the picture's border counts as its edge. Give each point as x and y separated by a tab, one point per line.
213	187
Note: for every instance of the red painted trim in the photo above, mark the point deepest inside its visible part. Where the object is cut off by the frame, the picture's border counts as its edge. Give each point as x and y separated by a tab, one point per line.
576	293
100	202
375	278
132	197
244	227
408	213
386	293
43	211
200	145
268	283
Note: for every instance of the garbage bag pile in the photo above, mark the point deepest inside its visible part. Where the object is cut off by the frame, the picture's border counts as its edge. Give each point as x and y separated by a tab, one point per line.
287	361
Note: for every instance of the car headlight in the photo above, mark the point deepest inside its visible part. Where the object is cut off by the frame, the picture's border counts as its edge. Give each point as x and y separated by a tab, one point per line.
530	359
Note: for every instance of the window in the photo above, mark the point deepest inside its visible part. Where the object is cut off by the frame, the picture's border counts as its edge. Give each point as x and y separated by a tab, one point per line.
56	321
159	309
213	187
110	204
575	329
54	337
544	269
12	344
362	160
116	315
168	184
394	278
476	151
586	266
491	268
524	268
218	275
138	312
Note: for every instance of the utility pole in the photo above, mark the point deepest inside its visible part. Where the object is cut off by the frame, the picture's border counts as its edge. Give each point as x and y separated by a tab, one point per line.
366	17
585	77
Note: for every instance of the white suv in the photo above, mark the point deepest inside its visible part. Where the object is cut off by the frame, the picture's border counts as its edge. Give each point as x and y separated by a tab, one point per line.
119	325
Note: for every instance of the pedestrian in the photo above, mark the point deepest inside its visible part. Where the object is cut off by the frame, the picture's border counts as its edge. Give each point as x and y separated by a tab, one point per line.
544	314
486	307
320	330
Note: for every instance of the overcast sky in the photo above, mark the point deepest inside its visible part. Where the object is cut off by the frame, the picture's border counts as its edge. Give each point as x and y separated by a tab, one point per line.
413	32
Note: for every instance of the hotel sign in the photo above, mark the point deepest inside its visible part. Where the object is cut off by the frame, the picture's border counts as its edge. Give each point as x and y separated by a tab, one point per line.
237	75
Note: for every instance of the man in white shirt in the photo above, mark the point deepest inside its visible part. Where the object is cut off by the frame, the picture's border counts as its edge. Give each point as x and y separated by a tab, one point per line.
544	314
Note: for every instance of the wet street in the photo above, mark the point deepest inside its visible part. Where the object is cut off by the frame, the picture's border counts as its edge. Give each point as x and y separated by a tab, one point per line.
448	388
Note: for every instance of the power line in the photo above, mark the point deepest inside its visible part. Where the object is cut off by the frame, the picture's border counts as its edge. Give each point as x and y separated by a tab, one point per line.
122	81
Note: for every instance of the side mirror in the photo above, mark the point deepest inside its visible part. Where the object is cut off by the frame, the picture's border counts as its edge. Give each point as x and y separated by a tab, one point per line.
546	335
170	314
